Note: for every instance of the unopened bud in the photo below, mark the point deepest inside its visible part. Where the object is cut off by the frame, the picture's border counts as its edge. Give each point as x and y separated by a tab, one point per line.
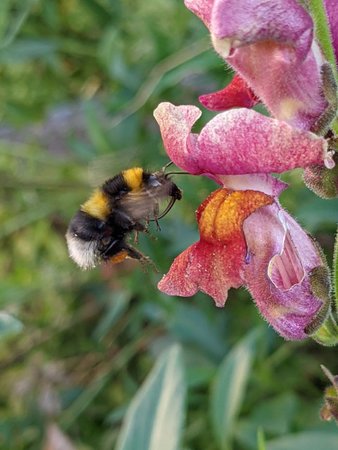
323	181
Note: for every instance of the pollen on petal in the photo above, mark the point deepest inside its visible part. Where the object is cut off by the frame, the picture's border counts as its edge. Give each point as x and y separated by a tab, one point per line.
221	216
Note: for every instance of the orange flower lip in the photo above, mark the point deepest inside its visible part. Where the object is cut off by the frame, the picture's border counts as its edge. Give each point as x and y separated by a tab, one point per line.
221	216
215	263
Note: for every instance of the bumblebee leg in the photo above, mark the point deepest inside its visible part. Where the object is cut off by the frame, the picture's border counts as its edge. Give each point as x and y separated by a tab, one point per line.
157	224
135	254
156	216
127	223
138	226
136	237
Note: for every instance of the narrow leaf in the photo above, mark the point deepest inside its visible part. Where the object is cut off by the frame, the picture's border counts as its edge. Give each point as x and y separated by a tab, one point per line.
229	387
305	441
155	416
4	17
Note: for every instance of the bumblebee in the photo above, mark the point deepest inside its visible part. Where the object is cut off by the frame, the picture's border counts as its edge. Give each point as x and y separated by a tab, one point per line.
123	204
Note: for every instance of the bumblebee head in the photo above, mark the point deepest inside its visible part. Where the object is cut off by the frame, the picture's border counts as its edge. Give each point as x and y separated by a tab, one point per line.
84	238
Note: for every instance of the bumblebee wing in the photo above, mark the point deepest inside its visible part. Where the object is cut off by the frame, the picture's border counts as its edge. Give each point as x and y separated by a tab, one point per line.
104	167
147	204
140	205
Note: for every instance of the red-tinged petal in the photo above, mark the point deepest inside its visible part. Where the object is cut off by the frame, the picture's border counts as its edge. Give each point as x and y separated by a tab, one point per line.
212	269
235	94
332	13
215	263
281	257
239	141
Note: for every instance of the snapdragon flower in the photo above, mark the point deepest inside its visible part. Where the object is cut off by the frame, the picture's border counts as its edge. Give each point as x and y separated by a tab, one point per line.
246	238
272	48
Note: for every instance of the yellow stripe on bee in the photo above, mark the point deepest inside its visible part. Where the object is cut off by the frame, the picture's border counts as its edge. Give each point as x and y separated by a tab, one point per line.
133	178
119	257
97	205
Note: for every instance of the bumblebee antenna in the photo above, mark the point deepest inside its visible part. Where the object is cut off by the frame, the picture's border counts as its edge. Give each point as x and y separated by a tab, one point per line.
173	173
179	173
166	166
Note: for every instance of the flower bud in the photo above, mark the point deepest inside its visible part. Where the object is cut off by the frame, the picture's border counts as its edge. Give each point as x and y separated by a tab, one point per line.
322	181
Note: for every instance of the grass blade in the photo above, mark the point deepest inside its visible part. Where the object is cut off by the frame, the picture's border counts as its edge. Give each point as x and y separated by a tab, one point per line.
228	390
155	417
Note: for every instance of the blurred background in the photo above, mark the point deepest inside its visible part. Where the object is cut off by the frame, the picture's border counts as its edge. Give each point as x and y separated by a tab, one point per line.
79	81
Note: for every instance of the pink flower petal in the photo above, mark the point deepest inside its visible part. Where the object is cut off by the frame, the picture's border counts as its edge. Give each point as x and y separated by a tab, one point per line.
291	91
256	182
239	141
281	258
175	124
245	22
270	45
202	9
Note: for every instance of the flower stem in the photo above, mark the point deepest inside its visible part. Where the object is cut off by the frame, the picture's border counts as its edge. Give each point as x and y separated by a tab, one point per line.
334	127
318	13
335	271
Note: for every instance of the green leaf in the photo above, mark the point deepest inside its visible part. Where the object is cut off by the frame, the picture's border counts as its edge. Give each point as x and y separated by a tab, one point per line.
9	325
305	441
22	50
155	416
4	17
191	325
229	387
10	26
116	309
275	416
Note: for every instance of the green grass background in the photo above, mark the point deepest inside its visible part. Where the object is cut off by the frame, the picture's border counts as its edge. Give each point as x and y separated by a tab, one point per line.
79	80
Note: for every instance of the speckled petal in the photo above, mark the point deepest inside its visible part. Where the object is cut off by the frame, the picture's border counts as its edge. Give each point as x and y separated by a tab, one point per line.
280	259
236	94
239	141
212	269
